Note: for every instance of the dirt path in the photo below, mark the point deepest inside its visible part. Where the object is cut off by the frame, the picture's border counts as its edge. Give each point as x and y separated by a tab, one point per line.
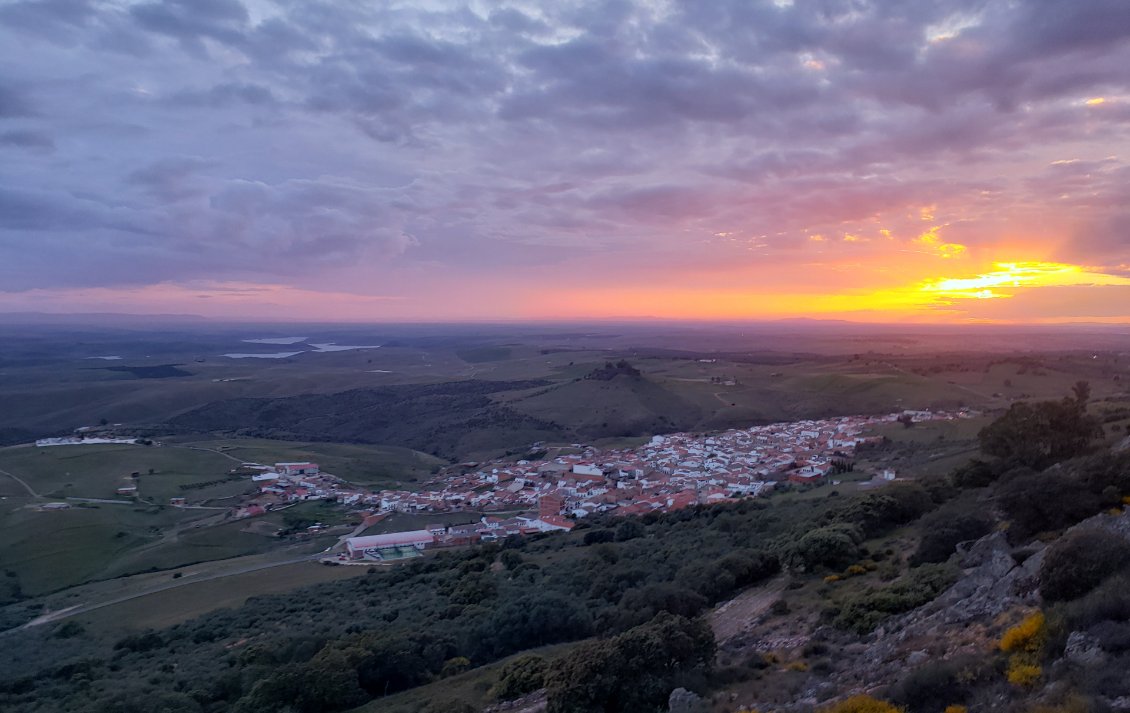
21	482
84	608
210	450
733	617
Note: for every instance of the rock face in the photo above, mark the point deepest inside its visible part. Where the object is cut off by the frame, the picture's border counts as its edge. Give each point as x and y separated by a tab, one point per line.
684	701
1083	649
530	703
963	619
1117	525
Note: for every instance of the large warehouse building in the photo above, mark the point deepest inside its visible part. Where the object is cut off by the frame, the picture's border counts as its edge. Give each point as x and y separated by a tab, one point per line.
388	546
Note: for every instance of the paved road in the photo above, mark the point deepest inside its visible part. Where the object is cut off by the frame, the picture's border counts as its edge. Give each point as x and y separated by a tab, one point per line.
21	482
173	584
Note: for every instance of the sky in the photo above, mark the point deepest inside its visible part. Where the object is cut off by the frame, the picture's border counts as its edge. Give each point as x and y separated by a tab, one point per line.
872	160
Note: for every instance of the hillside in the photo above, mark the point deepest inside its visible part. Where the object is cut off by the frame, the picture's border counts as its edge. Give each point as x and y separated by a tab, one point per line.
994	587
450	419
621	405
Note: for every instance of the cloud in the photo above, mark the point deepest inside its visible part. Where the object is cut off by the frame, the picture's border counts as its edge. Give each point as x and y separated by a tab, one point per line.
27	139
598	139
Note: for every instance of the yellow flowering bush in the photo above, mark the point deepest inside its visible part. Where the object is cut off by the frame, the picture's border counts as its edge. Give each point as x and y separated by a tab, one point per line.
1022	674
861	704
1029	636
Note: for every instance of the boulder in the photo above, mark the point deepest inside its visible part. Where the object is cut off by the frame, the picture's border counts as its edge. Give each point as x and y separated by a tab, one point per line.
683	701
1082	649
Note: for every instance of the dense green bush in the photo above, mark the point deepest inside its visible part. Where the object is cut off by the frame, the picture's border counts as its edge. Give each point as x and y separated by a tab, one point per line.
862	613
1038	502
936	685
877	513
595	537
634	671
1079	562
976	474
1042	433
944	528
833	547
521	676
1110	601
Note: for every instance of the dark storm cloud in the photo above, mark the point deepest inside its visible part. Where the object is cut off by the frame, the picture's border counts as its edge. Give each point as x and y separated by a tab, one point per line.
284	139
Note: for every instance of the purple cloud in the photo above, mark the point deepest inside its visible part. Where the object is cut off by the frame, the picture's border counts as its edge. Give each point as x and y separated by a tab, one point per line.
289	141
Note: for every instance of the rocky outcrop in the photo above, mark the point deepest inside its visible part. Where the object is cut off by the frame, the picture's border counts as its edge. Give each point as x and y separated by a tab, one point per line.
966	618
684	701
1082	649
1117	525
530	703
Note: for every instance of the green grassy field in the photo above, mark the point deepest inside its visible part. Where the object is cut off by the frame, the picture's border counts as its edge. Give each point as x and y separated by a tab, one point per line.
377	466
201	545
51	550
399	522
173	606
97	471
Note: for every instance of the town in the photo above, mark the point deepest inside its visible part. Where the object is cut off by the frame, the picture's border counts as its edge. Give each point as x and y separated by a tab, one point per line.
545	494
552	487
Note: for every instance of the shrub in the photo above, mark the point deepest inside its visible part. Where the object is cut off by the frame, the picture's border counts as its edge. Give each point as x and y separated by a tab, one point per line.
860	704
635	670
928	688
1042	433
943	529
1022	674
975	474
1037	502
519	677
1029	636
832	547
595	537
1110	601
863	613
630	530
1079	562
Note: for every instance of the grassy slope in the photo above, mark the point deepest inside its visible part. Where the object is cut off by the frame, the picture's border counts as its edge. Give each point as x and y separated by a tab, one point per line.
377	466
173	606
470	688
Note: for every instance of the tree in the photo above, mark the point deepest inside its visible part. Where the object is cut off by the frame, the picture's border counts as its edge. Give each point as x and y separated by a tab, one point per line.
630	530
1037	502
629	672
1037	435
943	529
519	677
832	547
1078	563
1082	392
